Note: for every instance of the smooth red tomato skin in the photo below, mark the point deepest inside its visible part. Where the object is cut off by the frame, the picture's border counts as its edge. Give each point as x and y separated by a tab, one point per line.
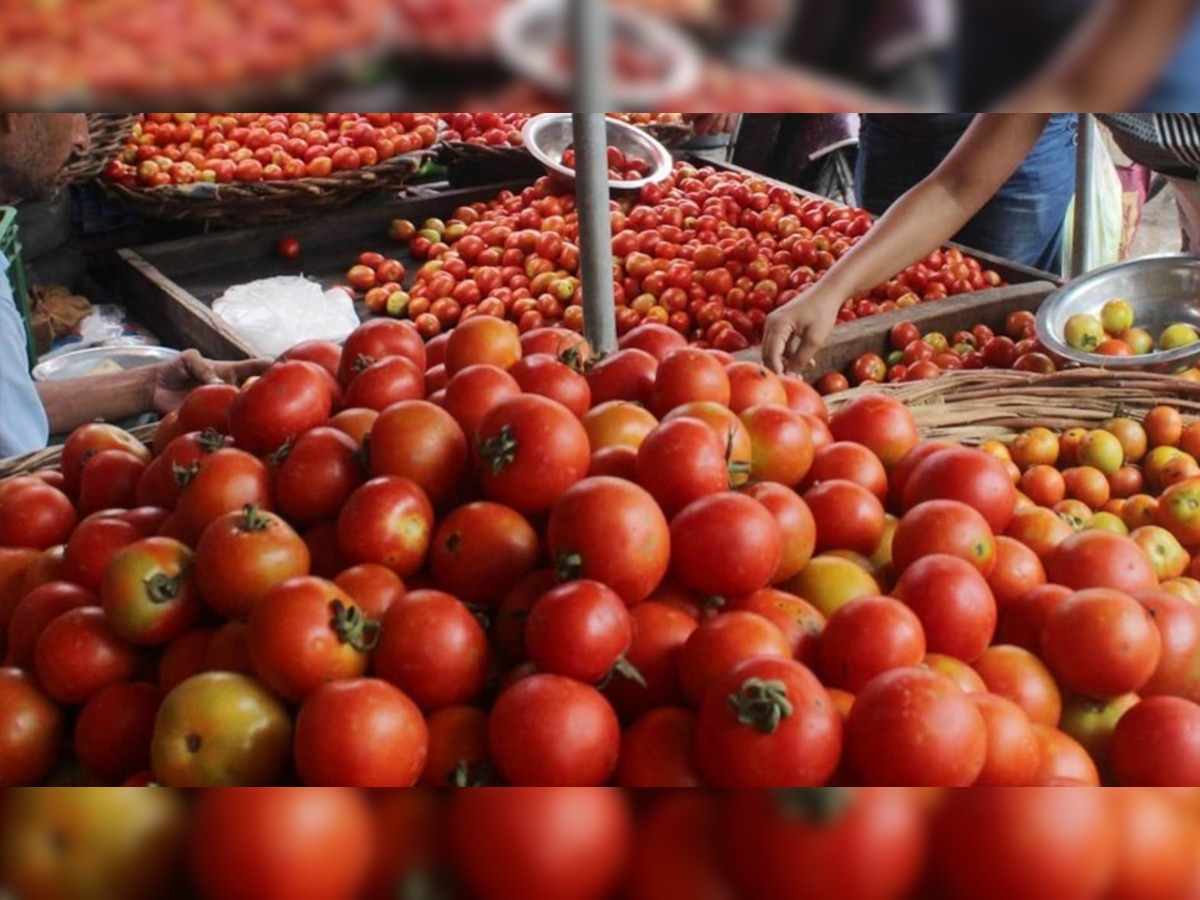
109	480
954	603
421	442
944	526
802	750
31	731
160	484
78	655
725	545
884	425
1040	843
659	751
1178	624
1157	744
625	375
581	630
554	732
685	376
34	613
476	391
531	449
1098	559
969	476
388	521
659	635
90	439
867	637
360	733
93	544
611	531
227	481
242	556
277	843
37	516
481	550
384	383
320	473
720	645
114	730
679	462
1101	643
376	339
531	844
549	377
915	728
286	401
149	593
433	649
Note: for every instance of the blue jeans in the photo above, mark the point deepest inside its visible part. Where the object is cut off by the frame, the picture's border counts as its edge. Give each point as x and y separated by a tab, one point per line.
1022	223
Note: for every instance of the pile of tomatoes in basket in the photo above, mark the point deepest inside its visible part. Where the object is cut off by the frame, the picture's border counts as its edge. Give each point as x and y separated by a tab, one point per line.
620	166
600	843
707	253
220	148
496	558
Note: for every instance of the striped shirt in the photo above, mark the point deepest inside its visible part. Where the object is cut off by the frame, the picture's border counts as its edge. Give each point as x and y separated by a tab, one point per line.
1166	142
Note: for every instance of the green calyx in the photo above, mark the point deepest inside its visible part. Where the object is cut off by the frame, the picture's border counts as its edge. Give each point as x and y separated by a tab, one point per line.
354	628
761	705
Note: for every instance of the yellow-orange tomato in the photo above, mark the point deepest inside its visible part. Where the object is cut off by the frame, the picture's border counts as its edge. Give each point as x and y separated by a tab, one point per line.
1163	549
1087	485
1101	450
956	670
1023	502
1044	485
1114	506
1075	513
1179	511
618	424
1068	446
1039	529
1154	466
1164	426
1131	435
1179	468
1185	586
881	559
1106	521
830	582
1139	510
1035	447
996	449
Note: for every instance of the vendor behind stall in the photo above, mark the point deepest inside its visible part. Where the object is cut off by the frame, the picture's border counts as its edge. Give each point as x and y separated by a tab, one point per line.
33	149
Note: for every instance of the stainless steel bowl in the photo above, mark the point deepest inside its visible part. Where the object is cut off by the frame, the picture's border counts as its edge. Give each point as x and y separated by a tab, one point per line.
1163	291
81	363
548	136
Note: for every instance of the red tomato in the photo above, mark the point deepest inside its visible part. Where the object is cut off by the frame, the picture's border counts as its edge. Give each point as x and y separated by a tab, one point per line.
421	442
1101	643
112	736
31	731
34	613
388	521
658	751
378	339
78	656
782	444
768	722
969	476
725	545
166	477
752	385
1014	753
681	461
35	515
109	480
93	544
242	556
1099	559
953	602
318	474
149	594
553	731
850	462
867	637
581	630
483	340
325	354
944	526
88	440
1157	744
719	645
628	375
848	516
548	377
1018	675
208	407
915	727
657	340
372	587
474	392
883	425
481	550
360	733
383	383
286	401
687	376
276	843
1178	624
433	649
226	481
305	633
184	657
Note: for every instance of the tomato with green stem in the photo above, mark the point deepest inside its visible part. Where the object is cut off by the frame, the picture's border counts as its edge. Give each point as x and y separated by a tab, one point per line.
149	592
581	630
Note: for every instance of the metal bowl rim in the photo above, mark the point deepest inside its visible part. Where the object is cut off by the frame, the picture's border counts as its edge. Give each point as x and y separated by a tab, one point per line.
659	154
152	353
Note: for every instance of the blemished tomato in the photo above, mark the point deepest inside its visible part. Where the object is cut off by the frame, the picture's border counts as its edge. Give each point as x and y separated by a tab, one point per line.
969	476
801	622
31	731
318	474
627	375
360	733
1101	643
1020	676
580	630
481	550
944	526
719	645
113	733
933	737
825	844
1099	559
378	339
307	632
271	844
93	544
1013	751
458	755
433	649
610	531
1041	843
658	751
1157	744
553	731
109	480
530	450
286	401
225	481
149	592
954	603
867	637
37	609
882	424
848	516
78	655
768	722
35	515
388	521
781	442
725	545
688	375
243	555
529	844
483	340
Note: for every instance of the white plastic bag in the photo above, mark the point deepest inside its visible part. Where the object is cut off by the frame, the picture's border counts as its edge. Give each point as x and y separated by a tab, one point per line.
275	314
1107	224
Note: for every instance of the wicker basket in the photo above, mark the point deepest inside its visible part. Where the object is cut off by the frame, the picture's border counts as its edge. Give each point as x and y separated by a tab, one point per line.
471	164
264	202
672	135
977	406
51	457
107	133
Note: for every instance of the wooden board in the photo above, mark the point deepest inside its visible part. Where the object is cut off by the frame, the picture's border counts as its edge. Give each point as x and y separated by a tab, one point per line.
851	339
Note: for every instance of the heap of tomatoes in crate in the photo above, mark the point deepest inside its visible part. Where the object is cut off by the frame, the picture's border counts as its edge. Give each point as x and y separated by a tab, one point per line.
508	561
220	148
602	843
707	253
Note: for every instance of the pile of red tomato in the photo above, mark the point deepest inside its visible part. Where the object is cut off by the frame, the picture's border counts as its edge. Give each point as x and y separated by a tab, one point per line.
504	560
620	166
220	148
707	253
600	843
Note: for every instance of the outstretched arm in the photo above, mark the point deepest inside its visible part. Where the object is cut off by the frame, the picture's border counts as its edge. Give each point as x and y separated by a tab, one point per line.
919	222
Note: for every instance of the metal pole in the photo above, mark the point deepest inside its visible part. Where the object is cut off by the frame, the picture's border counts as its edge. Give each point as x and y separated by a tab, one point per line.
590	47
1084	178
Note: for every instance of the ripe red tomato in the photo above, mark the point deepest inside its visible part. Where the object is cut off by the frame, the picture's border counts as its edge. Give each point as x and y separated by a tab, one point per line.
388	521
384	383
421	442
458	754
286	401
657	340
149	593
719	645
276	843
1156	744
658	751
113	734
320	471
555	732
483	340
548	377
31	731
481	550
476	391
782	444
243	555
628	375
580	630
725	545
378	339
78	655
611	531
1020	676
225	481
305	633
88	440
768	722
867	637
972	477
325	354
165	478
433	649
360	733
849	462
1100	559
530	451
915	727
848	516
1156	856
109	480
208	407
681	461
36	610
530	844
687	376
954	603
944	526
882	424
1101	643
93	544
35	515
1178	624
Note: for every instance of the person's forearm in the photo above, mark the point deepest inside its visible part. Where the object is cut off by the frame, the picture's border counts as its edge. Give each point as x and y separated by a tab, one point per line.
1112	61
109	397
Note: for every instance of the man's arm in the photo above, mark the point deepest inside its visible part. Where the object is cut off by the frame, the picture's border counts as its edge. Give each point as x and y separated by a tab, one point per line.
1111	62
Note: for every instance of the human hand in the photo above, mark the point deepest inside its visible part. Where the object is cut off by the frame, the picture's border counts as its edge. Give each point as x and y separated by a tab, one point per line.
714	123
175	379
795	332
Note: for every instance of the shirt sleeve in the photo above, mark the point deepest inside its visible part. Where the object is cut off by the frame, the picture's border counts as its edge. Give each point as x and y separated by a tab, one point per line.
23	425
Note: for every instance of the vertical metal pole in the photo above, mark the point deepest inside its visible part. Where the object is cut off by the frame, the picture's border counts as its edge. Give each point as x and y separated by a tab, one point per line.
1084	212
589	45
